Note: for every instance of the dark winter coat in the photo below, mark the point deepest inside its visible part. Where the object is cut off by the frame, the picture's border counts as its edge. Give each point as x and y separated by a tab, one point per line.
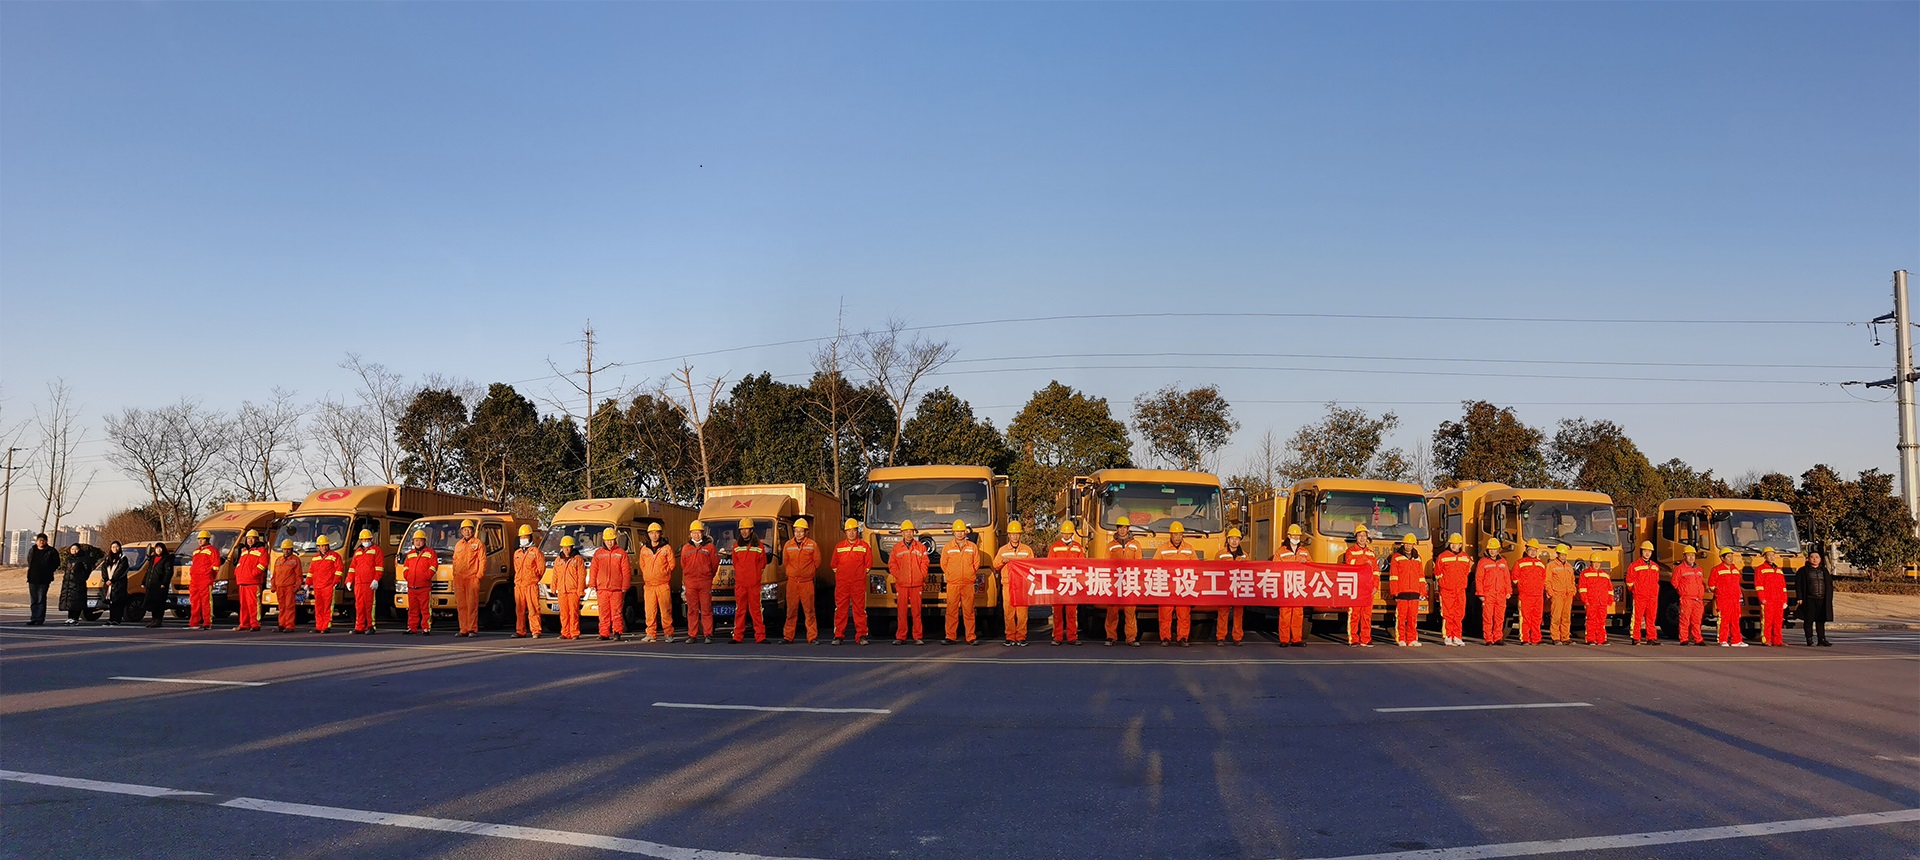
41	563
156	578
113	574
1815	587
73	587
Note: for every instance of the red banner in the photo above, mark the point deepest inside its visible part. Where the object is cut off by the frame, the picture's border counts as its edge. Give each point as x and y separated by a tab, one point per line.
1145	582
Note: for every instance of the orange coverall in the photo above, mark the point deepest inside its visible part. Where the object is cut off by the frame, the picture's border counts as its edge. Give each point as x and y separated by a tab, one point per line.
851	561
206	565
529	564
698	563
1770	586
1066	616
469	564
1128	551
1451	572
1360	621
802	560
611	574
1176	622
749	564
1690	586
1408	576
1728	601
249	574
1643	579
908	564
1563	587
1016	615
324	576
1494	583
1293	619
287	580
656	578
1530	586
1596	597
569	586
363	577
1231	620
959	566
418	567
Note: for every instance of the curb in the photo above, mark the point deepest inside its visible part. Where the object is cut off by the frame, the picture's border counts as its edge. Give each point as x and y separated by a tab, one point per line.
1873	625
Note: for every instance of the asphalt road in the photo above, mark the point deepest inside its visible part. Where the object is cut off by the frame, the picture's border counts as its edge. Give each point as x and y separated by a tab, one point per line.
1252	752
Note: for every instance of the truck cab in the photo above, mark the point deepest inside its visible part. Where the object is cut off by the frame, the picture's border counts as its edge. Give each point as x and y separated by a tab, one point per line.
227	527
498	532
771	508
1329	512
933	498
1150	501
1588	523
1747	526
585	520
341	513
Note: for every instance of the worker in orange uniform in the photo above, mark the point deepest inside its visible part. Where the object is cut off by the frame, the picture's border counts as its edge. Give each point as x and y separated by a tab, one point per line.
1176	621
1408	585
1293	619
699	561
569	586
363	579
1563	587
200	575
1452	571
1360	618
1690	587
249	574
1729	602
908	564
287	581
1530	588
1123	548
801	558
1066	616
469	564
529	564
323	575
1596	600
1230	623
610	575
656	579
1015	550
1493	582
1770	587
959	568
750	558
852	558
418	565
1643	580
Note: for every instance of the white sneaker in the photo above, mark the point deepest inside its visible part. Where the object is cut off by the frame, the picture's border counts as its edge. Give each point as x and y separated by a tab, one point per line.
1414	644
1726	644
1739	644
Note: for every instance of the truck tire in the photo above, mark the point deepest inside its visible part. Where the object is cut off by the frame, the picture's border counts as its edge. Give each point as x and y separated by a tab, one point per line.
497	612
632	613
1667	617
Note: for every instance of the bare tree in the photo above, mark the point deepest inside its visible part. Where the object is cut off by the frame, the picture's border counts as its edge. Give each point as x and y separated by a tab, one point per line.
696	407
384	395
829	406
898	366
172	451
60	436
263	439
584	385
342	439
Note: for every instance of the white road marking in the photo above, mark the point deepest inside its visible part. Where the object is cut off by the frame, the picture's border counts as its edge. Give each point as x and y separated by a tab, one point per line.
1485	707
765	708
1643	840
412	822
189	681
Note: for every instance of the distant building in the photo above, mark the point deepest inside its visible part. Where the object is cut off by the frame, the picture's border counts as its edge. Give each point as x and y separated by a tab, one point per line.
16	545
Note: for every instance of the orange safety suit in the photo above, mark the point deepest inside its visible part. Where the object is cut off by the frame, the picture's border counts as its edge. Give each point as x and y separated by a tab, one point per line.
698	563
287	579
323	576
611	574
1643	579
749	564
1493	582
1293	619
363	579
1530	586
908	564
1230	622
569	586
1596	598
469	564
1728	601
1770	586
1563	587
1451	574
249	574
1408	576
851	561
656	579
1176	622
1690	586
1129	551
529	564
418	567
200	576
801	557
959	566
1016	615
1066	616
1360	621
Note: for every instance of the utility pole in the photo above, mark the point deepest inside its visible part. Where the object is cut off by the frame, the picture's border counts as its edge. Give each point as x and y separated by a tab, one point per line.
6	503
1902	384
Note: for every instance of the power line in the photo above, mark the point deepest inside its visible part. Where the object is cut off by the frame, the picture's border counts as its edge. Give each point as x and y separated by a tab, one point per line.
1383	371
1411	358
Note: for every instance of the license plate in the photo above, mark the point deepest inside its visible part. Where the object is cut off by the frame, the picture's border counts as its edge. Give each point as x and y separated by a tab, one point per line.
93	604
723	610
181	601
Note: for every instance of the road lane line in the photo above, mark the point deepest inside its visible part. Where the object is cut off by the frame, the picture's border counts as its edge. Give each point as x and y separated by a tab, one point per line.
693	706
1485	707
1643	840
189	681
411	822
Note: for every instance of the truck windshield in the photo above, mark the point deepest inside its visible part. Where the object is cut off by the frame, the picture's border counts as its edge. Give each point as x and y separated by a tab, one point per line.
1386	515
1156	506
725	538
441	536
1571	523
1753	531
223	540
928	503
586	539
303	530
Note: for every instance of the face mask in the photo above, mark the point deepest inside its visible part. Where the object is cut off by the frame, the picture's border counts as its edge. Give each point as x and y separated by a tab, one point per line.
366	543
524	543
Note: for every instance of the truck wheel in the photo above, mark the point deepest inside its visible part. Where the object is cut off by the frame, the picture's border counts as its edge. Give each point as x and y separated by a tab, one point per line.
91	614
221	611
497	612
135	612
632	613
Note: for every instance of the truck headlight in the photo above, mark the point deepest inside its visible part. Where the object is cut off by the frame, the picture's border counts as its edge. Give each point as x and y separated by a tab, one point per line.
546	592
399	586
723	579
770	591
877	584
220	587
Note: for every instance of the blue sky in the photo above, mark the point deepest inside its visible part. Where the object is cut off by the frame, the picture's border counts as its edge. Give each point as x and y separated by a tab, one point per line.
216	199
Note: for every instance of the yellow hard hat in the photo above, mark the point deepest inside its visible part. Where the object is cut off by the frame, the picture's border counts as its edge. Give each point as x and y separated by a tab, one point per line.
653	527
1014	528
609	534
1294	531
799	523
851	523
1456	537
748	523
1360	529
419	535
1687	550
206	535
1646	544
526	531
321	541
958	525
1123	524
1177	528
1766	551
696	526
286	544
365	534
906	525
253	532
1233	533
1493	543
467	524
1533	543
1066	528
1409	540
1563	549
566	540
1727	551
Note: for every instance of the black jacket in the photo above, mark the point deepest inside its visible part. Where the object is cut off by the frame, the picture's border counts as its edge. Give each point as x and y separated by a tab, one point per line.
74	585
41	563
1815	587
113	575
156	578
